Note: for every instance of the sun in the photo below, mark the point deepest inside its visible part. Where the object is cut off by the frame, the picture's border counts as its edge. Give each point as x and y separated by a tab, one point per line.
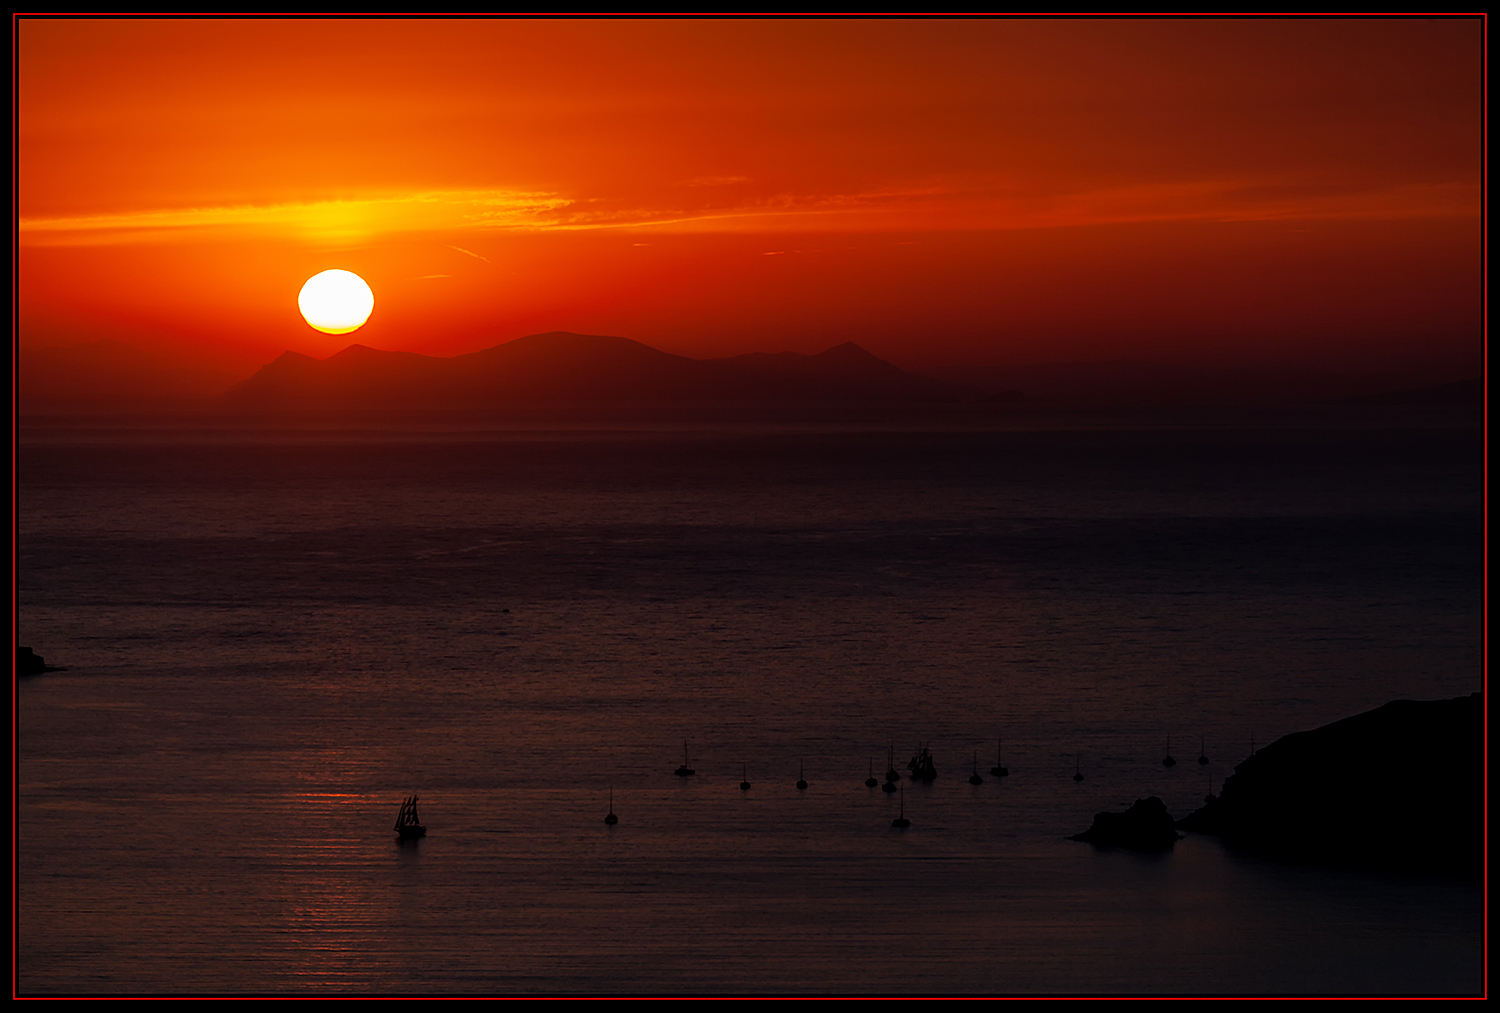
336	302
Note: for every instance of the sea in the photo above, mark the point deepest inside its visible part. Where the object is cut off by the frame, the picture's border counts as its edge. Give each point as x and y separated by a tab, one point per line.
268	633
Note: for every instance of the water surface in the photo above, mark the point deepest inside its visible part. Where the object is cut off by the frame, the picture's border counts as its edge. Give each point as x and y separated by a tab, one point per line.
274	633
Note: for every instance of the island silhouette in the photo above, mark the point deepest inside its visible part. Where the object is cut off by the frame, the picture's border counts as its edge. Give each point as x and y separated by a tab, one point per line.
564	367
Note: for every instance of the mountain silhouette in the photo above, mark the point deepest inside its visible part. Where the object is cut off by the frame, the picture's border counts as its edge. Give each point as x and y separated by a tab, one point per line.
563	367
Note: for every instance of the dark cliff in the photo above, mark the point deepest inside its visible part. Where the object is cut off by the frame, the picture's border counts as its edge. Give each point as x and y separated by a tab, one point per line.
1399	787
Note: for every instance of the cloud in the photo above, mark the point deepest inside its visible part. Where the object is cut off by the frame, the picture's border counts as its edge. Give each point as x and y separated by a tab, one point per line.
327	221
950	206
470	253
715	180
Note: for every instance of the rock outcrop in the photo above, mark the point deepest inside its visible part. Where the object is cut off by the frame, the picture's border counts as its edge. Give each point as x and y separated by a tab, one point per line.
1145	826
28	662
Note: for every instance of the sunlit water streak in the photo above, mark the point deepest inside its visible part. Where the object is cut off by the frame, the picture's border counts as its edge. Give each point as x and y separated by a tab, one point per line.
271	640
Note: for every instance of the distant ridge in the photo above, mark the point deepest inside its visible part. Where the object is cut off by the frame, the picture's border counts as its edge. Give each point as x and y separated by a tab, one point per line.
1134	383
1460	392
843	372
560	366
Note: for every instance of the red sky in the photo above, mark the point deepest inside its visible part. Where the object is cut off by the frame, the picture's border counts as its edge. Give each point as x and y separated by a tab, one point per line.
1228	192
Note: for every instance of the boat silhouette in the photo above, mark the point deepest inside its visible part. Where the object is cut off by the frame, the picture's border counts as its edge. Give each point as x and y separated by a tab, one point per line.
408	826
901	820
610	817
684	770
974	778
921	765
999	769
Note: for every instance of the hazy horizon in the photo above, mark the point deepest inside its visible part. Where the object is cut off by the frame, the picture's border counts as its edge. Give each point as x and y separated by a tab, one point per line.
120	373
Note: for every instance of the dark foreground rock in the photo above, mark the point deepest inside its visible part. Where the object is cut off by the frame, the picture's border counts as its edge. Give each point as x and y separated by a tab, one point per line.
28	662
1145	826
1399	787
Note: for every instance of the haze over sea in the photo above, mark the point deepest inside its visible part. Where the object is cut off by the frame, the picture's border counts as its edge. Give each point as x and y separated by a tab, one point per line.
272	632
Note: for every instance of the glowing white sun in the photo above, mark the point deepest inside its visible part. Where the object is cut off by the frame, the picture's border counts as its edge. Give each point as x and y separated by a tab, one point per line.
336	302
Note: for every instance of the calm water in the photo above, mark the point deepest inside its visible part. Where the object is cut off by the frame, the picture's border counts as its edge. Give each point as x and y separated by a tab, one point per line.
274	634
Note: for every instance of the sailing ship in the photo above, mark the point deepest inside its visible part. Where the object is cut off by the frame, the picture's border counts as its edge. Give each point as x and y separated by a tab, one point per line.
408	825
921	766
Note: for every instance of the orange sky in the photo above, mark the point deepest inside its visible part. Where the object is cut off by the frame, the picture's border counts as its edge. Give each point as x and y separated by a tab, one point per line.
942	192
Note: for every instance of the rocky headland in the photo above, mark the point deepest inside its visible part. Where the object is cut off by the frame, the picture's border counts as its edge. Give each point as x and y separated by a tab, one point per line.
28	662
1400	787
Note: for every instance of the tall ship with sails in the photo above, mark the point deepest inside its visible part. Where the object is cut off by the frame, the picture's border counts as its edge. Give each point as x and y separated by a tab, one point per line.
408	826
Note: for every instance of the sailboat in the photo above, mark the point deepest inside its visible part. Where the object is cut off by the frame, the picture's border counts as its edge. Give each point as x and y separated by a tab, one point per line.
975	778
999	769
610	817
1167	761
801	776
684	770
901	820
408	826
870	781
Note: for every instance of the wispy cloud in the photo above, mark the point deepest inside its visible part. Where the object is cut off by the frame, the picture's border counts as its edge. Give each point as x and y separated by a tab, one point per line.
986	205
469	253
335	221
715	180
1250	200
958	206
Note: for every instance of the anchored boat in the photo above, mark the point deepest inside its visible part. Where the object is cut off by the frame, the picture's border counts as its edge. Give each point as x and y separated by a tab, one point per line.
408	825
921	765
